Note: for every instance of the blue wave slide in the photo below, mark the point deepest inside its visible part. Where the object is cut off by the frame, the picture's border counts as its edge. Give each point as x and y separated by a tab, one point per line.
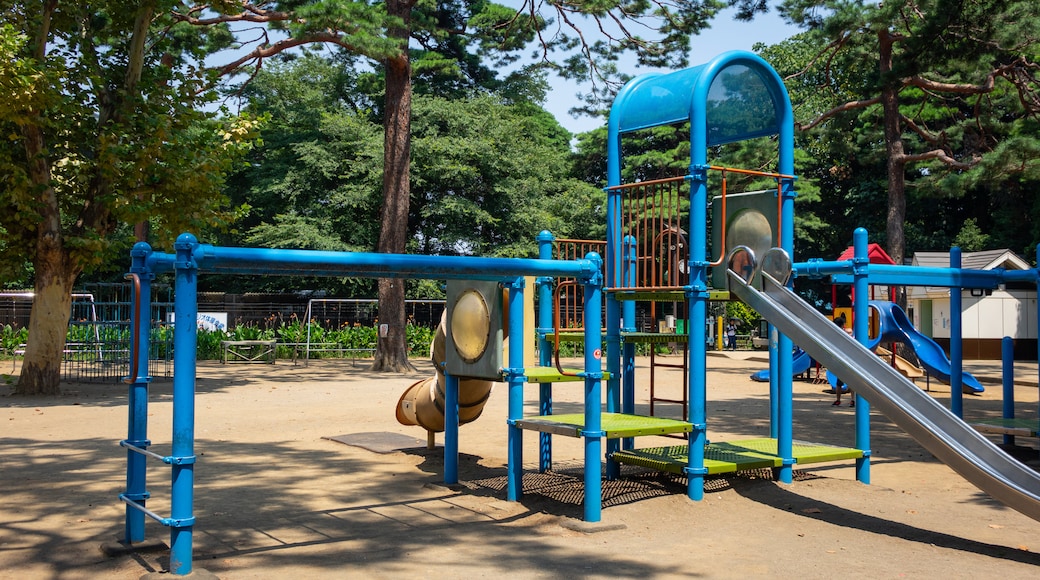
895	327
801	363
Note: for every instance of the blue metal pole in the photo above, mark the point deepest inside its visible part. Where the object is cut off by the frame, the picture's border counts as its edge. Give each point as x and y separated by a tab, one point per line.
861	330
1007	357
956	346
137	428
451	428
697	313
545	325
821	268
182	519
593	431
515	381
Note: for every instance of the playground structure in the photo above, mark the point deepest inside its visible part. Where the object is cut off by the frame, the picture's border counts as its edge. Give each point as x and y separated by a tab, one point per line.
674	268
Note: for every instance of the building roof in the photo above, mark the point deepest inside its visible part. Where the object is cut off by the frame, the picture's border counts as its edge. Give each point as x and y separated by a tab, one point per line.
875	252
984	260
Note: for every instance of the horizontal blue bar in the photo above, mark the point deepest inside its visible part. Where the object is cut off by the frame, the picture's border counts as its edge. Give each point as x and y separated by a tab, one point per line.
374	265
887	275
820	268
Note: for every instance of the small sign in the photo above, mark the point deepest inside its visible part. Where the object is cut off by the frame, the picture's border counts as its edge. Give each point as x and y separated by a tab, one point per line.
384	330
212	321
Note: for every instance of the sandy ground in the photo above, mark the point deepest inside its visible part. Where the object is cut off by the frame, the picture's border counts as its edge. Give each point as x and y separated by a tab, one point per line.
276	499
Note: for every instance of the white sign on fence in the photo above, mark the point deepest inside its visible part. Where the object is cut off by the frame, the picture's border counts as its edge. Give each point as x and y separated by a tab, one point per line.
207	320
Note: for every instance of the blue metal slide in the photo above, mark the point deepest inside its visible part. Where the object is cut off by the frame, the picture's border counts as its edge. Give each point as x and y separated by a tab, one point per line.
942	433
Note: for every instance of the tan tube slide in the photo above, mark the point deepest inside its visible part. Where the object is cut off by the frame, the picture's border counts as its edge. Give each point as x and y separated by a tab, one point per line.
423	403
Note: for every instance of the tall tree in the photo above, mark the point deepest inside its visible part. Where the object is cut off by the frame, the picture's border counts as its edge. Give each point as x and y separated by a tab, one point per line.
453	35
315	181
102	117
950	84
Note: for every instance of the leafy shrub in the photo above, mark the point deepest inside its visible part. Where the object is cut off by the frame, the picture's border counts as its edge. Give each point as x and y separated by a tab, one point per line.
11	338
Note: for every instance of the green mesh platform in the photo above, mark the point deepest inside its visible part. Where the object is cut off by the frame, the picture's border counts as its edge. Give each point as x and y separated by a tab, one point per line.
652	337
1014	427
551	375
615	425
733	456
566	336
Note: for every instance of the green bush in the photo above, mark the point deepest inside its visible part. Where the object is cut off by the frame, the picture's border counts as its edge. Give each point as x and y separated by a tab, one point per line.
11	338
208	347
324	341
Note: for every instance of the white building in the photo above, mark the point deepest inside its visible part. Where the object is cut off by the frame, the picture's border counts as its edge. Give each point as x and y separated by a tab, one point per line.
987	315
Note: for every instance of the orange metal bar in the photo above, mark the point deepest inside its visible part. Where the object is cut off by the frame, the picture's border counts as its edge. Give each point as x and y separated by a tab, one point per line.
751	172
556	327
722	252
646	183
135	330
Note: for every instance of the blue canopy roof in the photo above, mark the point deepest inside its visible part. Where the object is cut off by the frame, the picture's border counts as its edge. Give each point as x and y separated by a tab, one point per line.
740	95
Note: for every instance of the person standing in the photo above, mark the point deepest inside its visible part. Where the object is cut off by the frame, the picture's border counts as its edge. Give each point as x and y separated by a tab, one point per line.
731	336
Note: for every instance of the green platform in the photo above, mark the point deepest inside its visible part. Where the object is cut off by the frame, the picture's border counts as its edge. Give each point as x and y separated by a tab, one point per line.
552	375
1013	427
614	425
734	456
653	337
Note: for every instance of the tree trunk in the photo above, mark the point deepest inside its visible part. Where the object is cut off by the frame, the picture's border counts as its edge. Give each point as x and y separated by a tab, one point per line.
52	302
896	215
392	345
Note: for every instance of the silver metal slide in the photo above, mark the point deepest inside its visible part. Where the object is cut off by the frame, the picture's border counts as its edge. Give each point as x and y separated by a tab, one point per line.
938	430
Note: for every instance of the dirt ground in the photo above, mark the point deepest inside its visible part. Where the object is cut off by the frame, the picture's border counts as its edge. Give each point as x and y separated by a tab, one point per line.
274	498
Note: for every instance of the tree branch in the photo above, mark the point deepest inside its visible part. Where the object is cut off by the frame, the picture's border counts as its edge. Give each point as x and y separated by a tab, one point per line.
267	51
839	109
940	155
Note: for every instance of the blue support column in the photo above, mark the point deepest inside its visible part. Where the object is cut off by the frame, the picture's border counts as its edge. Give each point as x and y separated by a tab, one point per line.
784	345
451	428
545	325
138	380
861	330
515	380
697	296
182	519
593	431
956	346
1007	358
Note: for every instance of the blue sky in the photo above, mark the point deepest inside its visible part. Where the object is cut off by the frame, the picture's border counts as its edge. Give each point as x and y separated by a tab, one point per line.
724	35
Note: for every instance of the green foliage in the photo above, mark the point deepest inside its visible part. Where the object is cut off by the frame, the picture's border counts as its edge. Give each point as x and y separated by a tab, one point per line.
944	56
971	238
747	318
325	342
291	336
12	338
316	181
122	142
